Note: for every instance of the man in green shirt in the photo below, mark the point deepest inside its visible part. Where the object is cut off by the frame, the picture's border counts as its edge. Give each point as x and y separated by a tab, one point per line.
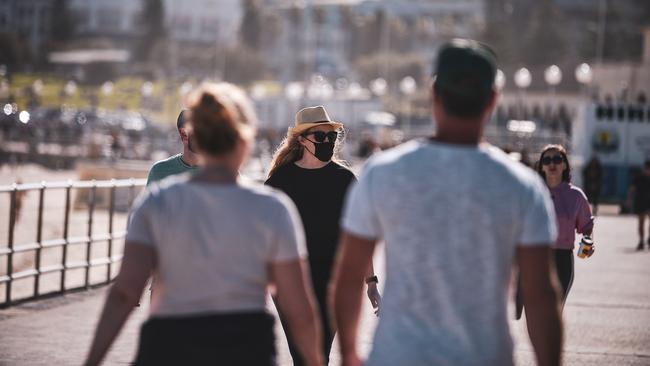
179	163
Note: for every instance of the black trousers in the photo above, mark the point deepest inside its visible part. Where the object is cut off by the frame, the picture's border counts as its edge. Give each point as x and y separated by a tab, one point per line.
320	276
224	339
564	268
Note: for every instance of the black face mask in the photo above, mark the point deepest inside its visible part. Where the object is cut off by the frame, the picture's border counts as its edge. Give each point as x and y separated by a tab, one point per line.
324	150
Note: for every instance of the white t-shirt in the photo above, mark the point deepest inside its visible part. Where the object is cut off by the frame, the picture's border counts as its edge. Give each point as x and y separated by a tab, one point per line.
451	217
214	243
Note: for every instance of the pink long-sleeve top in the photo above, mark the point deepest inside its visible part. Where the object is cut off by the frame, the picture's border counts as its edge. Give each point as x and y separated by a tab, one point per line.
573	214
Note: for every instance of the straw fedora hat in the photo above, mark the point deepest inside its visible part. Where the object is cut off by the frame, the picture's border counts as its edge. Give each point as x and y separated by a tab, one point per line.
309	117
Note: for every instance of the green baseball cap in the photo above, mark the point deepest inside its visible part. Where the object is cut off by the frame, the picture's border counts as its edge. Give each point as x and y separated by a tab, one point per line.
466	68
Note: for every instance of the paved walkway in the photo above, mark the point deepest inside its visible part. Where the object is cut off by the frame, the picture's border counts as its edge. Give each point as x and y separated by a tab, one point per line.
607	316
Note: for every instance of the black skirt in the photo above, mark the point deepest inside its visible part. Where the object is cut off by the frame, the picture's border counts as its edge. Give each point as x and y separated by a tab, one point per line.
224	339
641	205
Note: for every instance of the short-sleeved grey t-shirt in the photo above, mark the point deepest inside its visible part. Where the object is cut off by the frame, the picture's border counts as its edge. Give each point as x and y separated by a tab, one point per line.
214	243
451	217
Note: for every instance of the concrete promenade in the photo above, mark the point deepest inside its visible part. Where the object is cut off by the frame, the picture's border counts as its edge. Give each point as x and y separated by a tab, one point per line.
607	316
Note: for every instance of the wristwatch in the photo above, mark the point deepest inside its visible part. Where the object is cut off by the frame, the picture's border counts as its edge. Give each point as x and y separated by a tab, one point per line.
372	279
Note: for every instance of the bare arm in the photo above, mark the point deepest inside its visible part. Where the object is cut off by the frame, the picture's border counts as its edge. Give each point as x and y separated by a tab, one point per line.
541	299
371	270
139	261
372	291
296	300
584	217
346	289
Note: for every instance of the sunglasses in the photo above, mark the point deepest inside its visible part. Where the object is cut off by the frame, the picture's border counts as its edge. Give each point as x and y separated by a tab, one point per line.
557	160
320	136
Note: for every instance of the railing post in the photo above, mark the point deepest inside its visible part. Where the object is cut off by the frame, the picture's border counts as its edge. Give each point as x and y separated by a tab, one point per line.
111	210
91	209
10	243
131	194
39	237
66	235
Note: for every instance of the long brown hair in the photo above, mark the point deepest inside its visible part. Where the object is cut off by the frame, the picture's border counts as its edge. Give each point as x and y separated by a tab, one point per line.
291	150
566	174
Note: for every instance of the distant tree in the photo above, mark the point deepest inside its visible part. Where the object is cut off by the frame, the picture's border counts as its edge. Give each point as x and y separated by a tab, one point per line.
251	24
424	30
320	15
538	32
320	18
295	16
373	32
271	26
347	16
350	31
505	30
62	23
546	39
400	35
296	65
153	29
623	33
503	41
244	65
13	51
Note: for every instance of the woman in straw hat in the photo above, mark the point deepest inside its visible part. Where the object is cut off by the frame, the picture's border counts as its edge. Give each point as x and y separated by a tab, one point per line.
306	168
215	242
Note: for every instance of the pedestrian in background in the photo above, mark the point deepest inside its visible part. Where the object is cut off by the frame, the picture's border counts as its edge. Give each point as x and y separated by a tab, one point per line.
572	211
307	169
215	243
184	162
179	163
640	193
592	181
455	213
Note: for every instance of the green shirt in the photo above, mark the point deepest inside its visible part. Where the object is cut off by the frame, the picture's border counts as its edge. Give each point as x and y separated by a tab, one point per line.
170	166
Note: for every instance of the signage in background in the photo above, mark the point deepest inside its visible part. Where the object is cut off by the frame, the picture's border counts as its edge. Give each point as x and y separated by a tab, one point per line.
605	141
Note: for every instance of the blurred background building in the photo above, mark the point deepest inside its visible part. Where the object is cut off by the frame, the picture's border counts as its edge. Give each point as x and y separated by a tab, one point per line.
117	70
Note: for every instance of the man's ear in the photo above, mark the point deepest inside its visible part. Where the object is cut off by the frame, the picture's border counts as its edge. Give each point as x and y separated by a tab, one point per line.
183	133
494	99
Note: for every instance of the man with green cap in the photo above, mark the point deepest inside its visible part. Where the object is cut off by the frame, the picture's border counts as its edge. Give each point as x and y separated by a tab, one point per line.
454	213
179	163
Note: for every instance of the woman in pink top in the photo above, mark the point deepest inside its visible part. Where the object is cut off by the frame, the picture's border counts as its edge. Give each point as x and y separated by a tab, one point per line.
571	209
